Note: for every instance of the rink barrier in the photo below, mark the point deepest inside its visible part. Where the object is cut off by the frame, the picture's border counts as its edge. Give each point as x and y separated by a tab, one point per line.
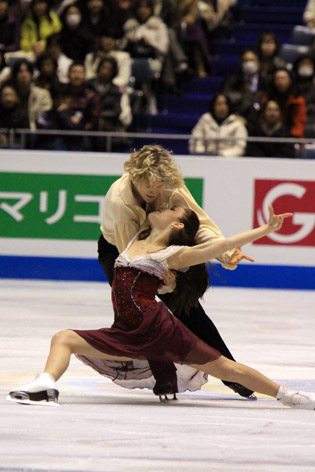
89	270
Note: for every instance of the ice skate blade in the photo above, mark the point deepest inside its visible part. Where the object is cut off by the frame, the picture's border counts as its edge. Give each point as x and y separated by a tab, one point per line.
31	402
164	398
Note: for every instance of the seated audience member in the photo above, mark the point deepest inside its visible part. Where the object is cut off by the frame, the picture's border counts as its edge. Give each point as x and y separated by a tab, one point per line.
115	108
176	61
146	36
194	39
47	78
96	19
108	48
40	24
9	28
75	39
270	126
119	11
33	99
53	48
216	16
5	71
268	49
11	113
84	101
219	122
76	108
309	14
304	83
246	89
293	107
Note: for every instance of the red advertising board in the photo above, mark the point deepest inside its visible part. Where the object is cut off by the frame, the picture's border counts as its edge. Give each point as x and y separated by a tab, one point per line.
293	196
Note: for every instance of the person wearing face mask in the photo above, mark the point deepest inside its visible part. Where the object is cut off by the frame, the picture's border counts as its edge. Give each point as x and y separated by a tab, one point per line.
246	89
304	83
75	39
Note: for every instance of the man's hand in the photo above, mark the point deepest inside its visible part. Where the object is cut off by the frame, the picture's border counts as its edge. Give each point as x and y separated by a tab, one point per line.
169	279
238	256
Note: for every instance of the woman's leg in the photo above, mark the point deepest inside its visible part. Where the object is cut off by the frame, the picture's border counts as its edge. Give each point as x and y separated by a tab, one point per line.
236	372
67	342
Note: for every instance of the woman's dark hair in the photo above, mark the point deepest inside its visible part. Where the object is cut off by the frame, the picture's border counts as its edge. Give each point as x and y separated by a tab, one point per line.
113	63
35	18
273	91
2	54
192	284
45	57
261	39
214	99
17	66
138	3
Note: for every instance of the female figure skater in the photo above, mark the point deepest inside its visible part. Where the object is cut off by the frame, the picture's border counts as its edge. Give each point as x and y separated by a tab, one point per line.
152	180
145	328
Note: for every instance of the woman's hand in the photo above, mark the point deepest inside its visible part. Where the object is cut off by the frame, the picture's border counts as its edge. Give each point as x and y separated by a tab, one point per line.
276	221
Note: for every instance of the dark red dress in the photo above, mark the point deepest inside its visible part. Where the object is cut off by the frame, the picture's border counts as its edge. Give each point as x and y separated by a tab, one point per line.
144	328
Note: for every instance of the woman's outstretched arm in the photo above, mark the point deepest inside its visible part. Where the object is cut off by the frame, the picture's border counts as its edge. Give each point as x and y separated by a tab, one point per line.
200	253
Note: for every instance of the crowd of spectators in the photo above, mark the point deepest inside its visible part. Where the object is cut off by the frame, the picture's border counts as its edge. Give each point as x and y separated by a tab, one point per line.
67	65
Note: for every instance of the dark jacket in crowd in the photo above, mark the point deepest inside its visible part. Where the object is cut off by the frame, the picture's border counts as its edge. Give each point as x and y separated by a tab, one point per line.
265	149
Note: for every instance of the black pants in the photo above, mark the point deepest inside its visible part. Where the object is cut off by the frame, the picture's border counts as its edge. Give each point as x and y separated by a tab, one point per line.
197	321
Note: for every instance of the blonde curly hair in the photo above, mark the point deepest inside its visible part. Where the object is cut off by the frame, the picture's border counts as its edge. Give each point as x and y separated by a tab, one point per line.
153	163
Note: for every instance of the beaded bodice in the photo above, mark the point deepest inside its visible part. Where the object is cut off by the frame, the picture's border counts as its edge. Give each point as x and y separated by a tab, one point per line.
136	283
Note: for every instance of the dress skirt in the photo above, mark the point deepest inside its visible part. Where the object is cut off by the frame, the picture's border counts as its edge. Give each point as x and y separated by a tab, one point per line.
144	328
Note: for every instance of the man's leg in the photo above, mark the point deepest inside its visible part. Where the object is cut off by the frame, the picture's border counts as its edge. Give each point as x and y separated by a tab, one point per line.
202	326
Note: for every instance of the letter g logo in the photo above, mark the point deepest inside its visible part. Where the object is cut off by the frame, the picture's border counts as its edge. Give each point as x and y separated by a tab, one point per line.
305	220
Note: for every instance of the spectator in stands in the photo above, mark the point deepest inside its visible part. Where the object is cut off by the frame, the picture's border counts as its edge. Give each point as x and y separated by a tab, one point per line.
304	83
76	108
251	72
216	15
53	48
5	71
75	39
9	28
176	62
48	78
83	101
293	107
247	89
309	14
219	122
195	42
12	115
270	126
33	99
119	12
40	24
268	49
115	108
108	48
95	18
146	36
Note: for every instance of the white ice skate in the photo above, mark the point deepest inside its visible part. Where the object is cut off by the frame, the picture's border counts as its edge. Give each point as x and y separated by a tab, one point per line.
293	399
41	391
